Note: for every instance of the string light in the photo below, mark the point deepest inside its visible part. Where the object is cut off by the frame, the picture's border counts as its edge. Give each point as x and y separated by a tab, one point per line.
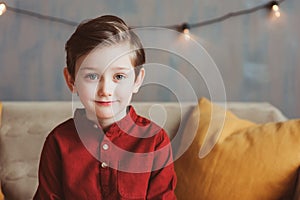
275	8
2	8
185	29
273	5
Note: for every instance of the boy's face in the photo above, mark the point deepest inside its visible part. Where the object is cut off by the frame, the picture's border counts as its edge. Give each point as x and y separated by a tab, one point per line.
105	81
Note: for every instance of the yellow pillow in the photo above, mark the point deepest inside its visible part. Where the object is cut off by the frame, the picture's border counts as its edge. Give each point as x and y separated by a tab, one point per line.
249	161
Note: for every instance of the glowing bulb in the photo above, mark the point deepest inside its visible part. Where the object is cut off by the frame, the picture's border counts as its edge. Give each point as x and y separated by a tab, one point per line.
186	31
275	8
2	8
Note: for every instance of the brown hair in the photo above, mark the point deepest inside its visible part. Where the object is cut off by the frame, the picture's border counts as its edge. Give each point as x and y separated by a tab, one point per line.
105	30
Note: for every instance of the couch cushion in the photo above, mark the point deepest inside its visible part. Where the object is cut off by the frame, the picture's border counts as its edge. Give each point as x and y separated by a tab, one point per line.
248	161
22	134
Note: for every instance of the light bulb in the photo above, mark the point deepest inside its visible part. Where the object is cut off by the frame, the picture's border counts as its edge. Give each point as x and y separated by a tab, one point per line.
2	8
186	31
185	28
275	8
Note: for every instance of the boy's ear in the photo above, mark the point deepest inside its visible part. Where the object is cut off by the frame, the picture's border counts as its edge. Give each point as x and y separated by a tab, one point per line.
69	80
139	80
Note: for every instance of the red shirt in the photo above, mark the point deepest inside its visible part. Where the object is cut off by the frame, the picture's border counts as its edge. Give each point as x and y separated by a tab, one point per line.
131	160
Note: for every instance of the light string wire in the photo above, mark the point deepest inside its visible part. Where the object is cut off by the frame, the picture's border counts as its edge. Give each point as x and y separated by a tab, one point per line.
41	16
178	27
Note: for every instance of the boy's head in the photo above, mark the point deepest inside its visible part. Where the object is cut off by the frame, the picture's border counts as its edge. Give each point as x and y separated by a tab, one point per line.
104	67
105	30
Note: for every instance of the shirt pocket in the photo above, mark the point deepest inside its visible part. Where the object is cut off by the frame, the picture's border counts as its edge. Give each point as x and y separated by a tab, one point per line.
133	177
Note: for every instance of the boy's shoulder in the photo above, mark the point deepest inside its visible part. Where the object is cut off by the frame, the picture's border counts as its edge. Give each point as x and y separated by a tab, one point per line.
65	127
68	123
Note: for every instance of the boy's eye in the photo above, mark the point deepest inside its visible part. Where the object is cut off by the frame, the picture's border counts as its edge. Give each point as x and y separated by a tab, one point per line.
120	77
92	76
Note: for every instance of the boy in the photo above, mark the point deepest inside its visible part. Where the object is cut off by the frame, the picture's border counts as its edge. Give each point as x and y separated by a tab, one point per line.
106	151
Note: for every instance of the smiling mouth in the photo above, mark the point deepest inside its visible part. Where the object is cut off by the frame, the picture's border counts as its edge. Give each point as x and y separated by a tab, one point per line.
104	103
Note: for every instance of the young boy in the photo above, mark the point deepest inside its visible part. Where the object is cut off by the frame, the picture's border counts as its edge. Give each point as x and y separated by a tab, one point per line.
106	151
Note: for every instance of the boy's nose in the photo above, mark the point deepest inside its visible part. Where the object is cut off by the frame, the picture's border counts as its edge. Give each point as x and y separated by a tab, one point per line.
105	88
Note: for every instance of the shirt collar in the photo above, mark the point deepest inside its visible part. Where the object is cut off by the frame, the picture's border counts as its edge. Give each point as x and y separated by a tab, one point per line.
124	125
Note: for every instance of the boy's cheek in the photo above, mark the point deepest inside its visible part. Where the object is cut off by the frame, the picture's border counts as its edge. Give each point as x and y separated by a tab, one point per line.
86	91
125	89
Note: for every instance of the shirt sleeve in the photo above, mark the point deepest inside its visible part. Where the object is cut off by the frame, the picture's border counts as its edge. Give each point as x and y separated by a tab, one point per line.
163	179
50	173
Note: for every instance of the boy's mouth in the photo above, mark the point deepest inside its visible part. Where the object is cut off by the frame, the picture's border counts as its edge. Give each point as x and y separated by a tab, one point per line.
104	103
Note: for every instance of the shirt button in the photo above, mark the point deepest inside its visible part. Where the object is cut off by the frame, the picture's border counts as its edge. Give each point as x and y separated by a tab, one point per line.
104	165
95	126
105	146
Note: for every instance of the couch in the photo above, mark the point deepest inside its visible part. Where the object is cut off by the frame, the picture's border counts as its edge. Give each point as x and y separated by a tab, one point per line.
24	126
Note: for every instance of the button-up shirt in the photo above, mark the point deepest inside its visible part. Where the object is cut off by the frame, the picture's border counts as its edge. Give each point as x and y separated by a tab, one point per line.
131	160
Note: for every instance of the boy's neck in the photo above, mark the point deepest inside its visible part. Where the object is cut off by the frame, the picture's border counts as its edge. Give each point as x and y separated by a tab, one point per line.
106	123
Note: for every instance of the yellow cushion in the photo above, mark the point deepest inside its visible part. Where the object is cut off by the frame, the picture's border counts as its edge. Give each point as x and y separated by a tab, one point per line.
249	161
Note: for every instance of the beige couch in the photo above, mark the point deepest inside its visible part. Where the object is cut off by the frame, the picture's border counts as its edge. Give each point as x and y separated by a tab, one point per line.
24	126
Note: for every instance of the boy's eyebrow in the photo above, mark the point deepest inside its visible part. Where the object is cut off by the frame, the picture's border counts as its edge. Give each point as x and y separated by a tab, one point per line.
87	68
114	68
121	68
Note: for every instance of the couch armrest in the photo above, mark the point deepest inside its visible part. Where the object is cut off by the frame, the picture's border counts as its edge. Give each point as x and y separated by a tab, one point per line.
262	112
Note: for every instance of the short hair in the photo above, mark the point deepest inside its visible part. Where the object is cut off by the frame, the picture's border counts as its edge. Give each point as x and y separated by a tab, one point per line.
106	30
